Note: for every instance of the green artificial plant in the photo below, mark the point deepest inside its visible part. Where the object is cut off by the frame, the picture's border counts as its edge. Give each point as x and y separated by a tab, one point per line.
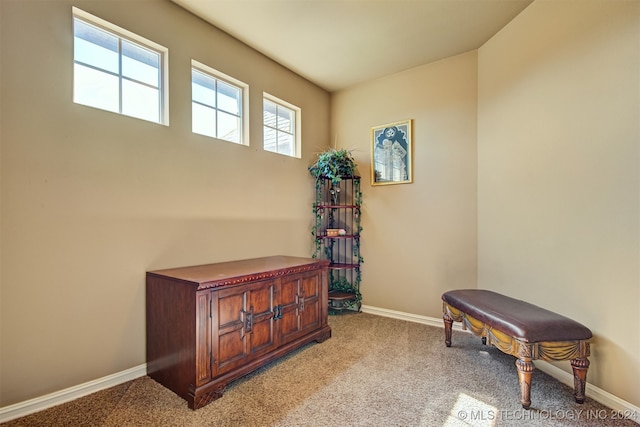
333	164
343	285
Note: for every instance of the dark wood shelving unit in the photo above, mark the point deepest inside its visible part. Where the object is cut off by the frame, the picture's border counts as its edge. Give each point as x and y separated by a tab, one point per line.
336	232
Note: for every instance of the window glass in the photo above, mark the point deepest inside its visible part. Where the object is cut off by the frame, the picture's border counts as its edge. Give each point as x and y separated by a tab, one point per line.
204	120
140	64
96	89
95	48
280	131
140	101
117	71
229	98
217	104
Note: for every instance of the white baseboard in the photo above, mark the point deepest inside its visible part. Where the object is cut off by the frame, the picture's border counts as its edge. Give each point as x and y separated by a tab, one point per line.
595	393
425	320
37	404
27	407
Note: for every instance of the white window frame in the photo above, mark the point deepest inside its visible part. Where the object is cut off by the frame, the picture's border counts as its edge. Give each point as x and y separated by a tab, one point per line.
297	125
131	37
244	106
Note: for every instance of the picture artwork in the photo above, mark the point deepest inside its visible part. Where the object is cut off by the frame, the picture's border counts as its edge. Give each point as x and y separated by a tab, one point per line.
391	153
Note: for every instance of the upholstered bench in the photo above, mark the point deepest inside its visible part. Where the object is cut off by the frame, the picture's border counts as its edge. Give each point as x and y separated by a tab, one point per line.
520	329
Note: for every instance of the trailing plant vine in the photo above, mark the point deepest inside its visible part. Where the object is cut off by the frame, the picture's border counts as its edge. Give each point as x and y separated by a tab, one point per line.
330	168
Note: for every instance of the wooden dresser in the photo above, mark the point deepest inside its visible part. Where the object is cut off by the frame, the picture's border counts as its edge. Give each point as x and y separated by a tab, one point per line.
210	324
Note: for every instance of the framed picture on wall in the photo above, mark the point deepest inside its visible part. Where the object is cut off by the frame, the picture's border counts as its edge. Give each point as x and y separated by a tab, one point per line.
391	154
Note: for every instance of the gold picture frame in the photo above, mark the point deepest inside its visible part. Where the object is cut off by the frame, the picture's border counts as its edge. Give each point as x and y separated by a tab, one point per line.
391	154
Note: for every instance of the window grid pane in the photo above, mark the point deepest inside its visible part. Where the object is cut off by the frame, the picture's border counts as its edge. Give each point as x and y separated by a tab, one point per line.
140	101
228	127
285	119
115	74
279	128
269	114
203	89
224	102
285	143
95	47
229	98
270	140
140	64
203	120
96	88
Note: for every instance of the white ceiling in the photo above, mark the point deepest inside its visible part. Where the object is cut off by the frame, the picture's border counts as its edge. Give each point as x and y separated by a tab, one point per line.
340	43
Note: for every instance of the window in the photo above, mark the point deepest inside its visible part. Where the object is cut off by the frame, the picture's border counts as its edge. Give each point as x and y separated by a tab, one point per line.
116	70
217	105
281	127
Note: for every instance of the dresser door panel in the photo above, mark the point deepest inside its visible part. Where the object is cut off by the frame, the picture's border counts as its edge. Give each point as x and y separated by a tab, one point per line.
229	338
243	326
310	313
299	301
261	307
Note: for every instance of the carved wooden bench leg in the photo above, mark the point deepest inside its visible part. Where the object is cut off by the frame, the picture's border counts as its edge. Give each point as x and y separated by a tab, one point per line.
525	369
580	367
448	323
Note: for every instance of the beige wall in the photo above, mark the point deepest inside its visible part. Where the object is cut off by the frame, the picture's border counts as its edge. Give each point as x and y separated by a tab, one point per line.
543	119
91	200
559	173
418	239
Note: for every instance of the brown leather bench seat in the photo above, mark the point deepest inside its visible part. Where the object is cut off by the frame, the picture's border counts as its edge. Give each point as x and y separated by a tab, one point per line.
523	330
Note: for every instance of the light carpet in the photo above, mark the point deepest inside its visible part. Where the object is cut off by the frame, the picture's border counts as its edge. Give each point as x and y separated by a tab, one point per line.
374	371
